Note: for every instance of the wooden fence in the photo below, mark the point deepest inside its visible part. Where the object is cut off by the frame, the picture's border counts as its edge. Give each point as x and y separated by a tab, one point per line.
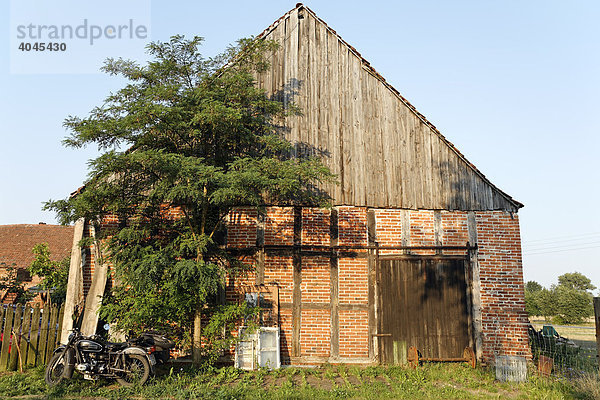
28	335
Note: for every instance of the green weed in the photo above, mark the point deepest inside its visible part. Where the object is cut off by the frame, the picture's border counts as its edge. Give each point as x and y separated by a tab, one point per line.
436	381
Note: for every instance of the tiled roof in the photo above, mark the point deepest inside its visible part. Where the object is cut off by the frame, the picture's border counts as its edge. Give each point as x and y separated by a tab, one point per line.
17	241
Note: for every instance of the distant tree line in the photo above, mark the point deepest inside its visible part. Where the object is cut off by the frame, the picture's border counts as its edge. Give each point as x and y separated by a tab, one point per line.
567	302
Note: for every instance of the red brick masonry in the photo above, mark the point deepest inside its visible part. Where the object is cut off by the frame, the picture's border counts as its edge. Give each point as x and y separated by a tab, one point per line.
502	305
503	323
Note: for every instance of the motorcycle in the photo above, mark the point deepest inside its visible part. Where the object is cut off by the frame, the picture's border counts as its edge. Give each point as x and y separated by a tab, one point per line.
128	363
158	343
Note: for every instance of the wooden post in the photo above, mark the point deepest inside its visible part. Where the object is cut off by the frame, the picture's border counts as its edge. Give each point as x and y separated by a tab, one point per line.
597	319
260	244
405	229
333	276
96	292
74	282
438	230
372	268
476	287
297	276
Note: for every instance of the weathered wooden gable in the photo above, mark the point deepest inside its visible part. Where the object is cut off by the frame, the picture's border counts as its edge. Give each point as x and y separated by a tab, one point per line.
383	151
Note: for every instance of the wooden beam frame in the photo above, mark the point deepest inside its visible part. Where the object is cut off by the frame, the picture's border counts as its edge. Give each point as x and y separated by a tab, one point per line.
334	286
297	277
372	260
475	286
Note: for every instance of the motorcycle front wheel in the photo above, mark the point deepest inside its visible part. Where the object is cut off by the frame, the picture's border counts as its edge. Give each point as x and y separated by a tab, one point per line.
55	370
137	370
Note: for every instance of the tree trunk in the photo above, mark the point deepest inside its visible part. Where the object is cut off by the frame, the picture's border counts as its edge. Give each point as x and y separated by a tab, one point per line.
197	338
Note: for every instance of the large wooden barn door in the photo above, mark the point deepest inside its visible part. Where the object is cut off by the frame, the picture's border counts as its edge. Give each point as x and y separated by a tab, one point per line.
422	302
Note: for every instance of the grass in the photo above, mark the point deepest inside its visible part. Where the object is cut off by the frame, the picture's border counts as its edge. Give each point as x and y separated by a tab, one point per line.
431	381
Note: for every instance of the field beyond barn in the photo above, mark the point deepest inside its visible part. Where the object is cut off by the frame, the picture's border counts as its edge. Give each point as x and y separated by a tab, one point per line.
431	381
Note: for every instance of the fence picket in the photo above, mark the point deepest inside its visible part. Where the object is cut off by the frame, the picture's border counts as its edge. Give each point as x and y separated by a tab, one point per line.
34	336
24	342
61	314
3	311
12	362
41	356
52	332
6	334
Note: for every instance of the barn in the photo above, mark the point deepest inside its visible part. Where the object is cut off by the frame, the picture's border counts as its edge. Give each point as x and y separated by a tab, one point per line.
419	249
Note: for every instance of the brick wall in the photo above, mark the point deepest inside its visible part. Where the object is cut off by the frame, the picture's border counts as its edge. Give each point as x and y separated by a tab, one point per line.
502	292
316	221
279	225
315	333
243	227
499	258
502	297
315	286
352	226
354	334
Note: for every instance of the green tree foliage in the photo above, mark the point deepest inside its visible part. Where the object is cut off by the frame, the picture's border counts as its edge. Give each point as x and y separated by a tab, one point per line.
193	135
547	303
573	298
533	287
532	298
573	306
53	274
568	302
577	281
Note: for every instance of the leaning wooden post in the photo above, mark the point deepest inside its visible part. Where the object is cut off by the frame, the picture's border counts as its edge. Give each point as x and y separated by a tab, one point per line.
597	319
74	291
95	294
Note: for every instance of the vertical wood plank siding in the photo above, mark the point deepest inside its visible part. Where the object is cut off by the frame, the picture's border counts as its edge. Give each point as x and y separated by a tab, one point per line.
382	151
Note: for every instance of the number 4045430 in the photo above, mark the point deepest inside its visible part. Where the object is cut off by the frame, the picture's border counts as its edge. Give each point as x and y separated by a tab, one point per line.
51	46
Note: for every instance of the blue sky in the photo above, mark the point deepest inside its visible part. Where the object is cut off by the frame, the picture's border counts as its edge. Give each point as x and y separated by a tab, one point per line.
514	85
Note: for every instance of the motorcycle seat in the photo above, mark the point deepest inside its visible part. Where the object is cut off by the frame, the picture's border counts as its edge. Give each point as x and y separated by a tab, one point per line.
116	346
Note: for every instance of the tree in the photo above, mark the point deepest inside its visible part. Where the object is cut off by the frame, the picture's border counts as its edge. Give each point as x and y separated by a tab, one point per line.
573	298
572	306
183	142
53	274
547	303
533	287
532	298
577	281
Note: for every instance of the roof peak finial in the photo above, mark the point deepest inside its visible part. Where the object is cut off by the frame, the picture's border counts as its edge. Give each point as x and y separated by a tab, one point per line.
299	5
